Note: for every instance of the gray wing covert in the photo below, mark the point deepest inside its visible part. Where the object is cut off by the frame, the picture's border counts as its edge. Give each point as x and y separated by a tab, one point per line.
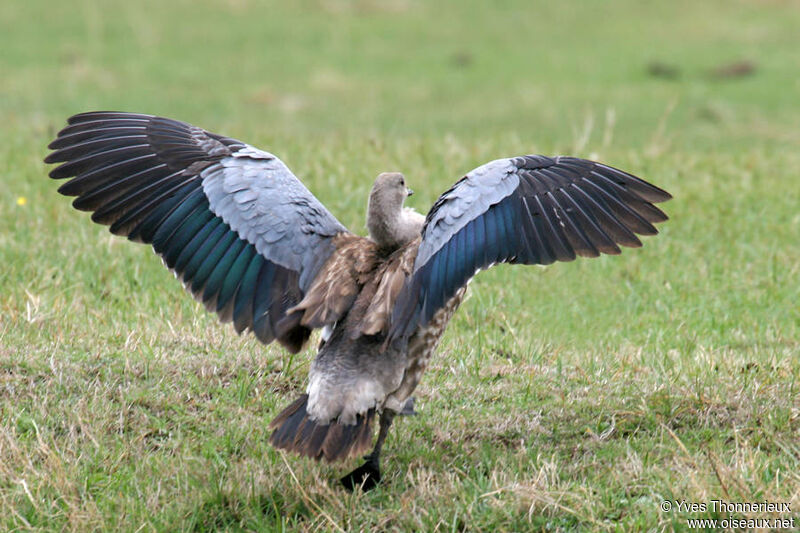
232	222
524	210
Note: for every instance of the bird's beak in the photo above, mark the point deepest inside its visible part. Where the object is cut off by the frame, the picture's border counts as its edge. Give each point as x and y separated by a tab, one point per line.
409	192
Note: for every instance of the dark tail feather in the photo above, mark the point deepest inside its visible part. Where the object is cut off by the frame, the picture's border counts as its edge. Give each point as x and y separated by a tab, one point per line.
296	432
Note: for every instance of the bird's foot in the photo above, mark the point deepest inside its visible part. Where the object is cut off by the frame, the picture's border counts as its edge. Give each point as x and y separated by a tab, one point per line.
408	408
366	476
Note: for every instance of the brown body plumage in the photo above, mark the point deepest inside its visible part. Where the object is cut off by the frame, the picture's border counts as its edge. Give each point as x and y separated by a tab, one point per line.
356	373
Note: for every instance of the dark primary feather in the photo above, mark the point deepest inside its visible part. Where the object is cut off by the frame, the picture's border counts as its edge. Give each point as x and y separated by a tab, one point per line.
526	210
143	176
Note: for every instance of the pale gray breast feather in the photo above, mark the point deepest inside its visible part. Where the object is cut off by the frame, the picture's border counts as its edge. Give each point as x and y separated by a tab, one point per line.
258	197
482	188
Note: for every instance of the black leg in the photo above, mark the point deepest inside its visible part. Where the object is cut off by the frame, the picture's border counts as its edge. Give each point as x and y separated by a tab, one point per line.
368	475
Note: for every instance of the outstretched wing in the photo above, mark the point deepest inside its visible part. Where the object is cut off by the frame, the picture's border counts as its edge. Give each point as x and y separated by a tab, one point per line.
231	221
529	210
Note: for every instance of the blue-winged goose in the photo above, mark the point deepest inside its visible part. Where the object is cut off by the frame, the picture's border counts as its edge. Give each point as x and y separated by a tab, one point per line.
255	246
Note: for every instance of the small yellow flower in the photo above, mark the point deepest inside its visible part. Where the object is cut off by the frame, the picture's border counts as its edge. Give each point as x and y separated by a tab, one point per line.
21	200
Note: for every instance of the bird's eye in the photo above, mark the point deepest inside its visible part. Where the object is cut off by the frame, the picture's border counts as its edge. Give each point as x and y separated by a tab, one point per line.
402	182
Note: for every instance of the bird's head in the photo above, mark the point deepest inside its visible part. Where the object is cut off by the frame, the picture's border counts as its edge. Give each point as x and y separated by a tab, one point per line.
387	221
389	192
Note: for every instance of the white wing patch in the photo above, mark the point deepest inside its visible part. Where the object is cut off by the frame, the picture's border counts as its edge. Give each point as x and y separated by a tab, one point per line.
257	195
482	188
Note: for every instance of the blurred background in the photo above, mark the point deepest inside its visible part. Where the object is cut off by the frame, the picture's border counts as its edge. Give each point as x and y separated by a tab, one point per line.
708	73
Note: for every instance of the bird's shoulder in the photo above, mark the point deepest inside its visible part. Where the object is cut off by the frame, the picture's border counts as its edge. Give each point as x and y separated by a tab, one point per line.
372	309
339	281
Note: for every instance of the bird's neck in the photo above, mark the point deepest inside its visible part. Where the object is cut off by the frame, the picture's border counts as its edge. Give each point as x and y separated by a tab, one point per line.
385	226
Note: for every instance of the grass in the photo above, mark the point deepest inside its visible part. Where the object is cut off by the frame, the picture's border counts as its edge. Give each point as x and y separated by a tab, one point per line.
578	396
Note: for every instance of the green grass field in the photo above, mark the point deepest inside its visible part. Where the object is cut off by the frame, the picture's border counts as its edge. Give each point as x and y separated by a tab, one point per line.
577	396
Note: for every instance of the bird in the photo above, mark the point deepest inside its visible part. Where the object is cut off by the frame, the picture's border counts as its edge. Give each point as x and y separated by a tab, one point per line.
255	246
